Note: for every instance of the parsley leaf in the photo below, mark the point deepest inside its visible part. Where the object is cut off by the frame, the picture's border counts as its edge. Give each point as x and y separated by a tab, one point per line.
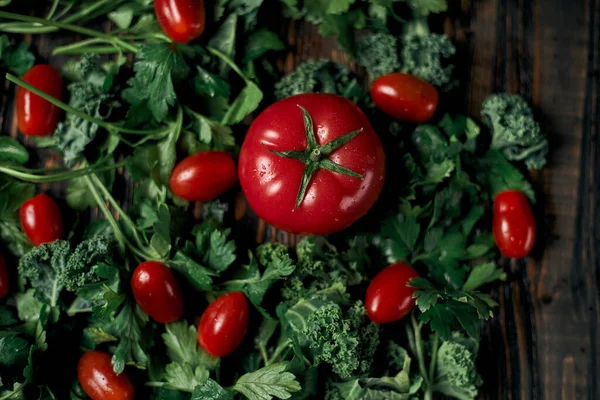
12	195
156	68
211	390
268	382
15	59
13	151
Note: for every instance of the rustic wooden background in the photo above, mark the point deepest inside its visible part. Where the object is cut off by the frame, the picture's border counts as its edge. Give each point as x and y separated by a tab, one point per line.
544	343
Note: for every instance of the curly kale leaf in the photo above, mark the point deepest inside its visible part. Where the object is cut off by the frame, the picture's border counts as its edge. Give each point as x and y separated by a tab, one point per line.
378	53
319	76
456	373
54	266
331	333
514	130
88	94
425	54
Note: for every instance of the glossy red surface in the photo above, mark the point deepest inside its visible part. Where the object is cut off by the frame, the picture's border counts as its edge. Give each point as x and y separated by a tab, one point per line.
405	97
224	324
513	224
98	379
41	220
203	176
388	298
182	20
36	116
157	292
333	201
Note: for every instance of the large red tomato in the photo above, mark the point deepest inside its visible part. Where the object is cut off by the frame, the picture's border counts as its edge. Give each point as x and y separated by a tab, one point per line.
513	224
312	164
36	116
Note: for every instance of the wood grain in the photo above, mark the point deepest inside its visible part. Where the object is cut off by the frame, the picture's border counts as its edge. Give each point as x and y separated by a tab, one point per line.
544	343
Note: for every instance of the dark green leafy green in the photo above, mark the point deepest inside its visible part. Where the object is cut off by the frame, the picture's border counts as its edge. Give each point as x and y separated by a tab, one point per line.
17	59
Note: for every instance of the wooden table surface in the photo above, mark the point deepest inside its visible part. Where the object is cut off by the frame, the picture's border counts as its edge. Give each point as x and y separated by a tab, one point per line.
544	342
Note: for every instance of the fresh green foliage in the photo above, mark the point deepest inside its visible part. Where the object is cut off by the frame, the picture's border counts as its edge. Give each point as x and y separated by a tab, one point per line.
319	76
268	382
51	267
88	93
12	151
157	68
378	53
425	54
17	59
12	195
456	373
514	131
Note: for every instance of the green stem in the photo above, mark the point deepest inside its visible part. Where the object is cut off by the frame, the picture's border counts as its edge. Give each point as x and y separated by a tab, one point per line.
111	219
33	178
166	386
229	62
420	353
108	196
70	27
52	9
106	125
433	362
86	45
283	346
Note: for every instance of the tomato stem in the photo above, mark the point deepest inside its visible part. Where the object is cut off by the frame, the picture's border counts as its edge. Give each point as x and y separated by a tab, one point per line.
315	156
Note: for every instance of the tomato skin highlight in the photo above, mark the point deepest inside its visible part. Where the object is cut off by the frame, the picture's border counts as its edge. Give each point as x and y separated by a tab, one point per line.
333	201
224	324
157	292
36	116
388	298
182	20
41	220
4	282
405	97
98	379
513	224
203	176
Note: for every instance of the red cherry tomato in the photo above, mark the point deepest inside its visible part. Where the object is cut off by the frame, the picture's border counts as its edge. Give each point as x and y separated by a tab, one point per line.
98	379
182	20
224	324
36	116
41	220
332	200
203	176
3	278
157	292
405	97
388	297
513	224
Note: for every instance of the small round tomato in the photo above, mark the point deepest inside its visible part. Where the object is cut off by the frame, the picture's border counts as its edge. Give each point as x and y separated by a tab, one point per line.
3	278
157	292
36	116
224	324
312	164
405	97
388	296
99	380
41	220
182	20
513	224
203	176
